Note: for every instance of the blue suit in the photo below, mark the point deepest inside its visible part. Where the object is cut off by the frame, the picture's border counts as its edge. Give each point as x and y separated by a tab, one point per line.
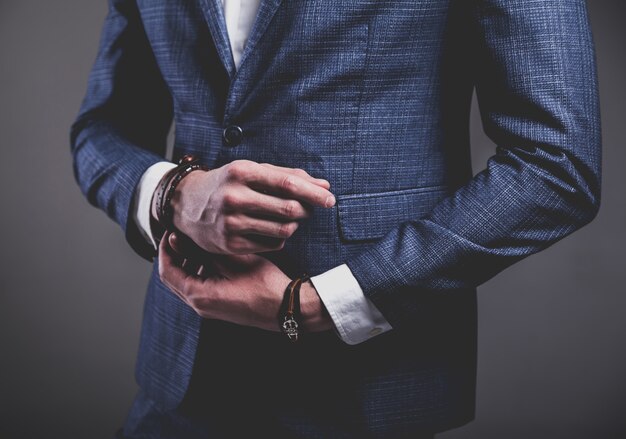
373	96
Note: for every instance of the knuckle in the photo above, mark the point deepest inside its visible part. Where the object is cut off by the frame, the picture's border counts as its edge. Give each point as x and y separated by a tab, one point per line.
291	209
235	170
286	230
283	231
240	169
287	182
231	223
230	200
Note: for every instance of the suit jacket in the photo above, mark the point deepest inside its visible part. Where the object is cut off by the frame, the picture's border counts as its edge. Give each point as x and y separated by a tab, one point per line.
373	96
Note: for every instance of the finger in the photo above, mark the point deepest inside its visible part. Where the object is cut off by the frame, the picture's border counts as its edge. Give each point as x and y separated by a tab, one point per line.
290	185
174	277
300	172
268	243
186	251
186	248
246	244
265	205
175	242
196	261
192	289
245	225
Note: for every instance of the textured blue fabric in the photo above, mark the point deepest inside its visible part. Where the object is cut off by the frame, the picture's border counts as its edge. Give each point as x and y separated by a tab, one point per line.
373	96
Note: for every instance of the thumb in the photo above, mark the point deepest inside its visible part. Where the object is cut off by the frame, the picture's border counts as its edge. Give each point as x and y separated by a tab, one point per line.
185	247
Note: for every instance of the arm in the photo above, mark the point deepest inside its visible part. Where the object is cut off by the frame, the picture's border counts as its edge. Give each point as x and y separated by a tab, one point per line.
121	131
248	291
123	122
537	90
355	318
118	144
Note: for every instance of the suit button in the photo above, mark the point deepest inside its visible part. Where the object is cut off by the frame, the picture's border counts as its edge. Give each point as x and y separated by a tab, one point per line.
232	135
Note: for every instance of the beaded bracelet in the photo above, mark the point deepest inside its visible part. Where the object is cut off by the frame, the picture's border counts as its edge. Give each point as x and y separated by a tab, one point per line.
167	187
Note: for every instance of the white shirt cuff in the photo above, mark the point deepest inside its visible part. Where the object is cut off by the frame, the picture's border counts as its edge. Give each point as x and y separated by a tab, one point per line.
355	317
143	197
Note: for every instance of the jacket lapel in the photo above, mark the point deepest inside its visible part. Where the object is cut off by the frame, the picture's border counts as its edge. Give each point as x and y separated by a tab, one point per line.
213	11
267	9
214	14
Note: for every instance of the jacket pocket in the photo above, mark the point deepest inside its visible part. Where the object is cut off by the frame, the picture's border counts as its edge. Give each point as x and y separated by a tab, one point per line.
370	216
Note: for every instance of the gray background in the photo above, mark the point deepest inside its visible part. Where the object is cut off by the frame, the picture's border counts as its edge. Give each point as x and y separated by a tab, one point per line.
551	354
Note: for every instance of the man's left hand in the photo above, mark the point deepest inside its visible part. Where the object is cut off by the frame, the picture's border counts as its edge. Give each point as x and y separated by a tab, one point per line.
242	289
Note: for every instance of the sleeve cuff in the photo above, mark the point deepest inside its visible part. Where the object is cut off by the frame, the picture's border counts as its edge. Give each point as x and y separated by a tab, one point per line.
355	317
143	197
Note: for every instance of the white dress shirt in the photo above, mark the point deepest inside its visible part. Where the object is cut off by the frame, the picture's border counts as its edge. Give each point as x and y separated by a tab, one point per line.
355	317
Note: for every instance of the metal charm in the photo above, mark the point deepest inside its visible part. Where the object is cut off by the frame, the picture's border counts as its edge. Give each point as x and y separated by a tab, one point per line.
290	327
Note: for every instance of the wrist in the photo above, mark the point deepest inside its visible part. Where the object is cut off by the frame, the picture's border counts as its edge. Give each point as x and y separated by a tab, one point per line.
314	313
162	207
185	187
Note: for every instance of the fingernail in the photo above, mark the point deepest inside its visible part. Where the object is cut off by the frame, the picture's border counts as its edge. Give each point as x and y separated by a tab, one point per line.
330	201
173	240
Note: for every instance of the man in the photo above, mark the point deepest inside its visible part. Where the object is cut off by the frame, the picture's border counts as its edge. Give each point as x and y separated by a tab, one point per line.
336	133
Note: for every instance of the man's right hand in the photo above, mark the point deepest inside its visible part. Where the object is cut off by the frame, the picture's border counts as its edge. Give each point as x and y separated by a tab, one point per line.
246	207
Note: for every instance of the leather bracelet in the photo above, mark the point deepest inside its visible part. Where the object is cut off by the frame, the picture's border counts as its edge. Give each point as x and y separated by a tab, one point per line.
289	314
167	187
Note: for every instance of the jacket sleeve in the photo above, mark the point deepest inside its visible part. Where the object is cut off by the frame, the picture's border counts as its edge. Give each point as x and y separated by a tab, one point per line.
537	93
123	122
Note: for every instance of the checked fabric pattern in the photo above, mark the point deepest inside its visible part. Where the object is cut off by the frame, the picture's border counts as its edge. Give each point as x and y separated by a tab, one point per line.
373	96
